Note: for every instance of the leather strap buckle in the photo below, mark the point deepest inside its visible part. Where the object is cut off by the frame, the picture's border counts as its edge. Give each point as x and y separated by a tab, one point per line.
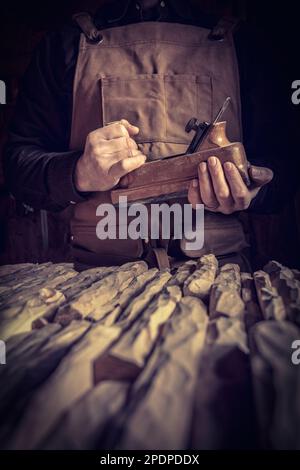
223	27
86	24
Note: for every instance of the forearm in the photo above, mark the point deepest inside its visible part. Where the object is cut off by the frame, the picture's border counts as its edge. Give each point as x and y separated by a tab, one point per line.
43	180
38	165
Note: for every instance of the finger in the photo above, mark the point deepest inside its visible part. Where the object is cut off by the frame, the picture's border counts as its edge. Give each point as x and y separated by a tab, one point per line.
122	155
113	130
108	147
109	132
119	129
206	188
132	130
260	175
238	189
126	165
127	180
194	197
219	183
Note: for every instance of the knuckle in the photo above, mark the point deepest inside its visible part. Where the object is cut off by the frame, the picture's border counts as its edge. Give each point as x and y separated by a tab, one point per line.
245	205
223	194
131	143
212	203
97	150
92	138
120	145
241	195
136	153
96	155
122	129
123	153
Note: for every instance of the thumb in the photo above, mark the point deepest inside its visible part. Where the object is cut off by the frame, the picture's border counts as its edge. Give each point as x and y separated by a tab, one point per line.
260	175
126	180
132	130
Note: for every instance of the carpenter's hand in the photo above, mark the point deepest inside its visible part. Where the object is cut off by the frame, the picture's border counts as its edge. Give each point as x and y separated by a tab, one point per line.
110	153
221	188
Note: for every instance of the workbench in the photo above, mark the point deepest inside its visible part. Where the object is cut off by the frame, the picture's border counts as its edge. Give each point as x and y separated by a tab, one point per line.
199	357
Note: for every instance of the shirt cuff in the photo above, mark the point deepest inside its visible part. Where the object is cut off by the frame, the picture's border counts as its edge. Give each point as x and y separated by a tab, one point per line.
60	178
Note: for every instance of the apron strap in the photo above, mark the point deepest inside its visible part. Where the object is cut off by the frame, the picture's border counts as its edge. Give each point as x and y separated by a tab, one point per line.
225	25
156	256
86	24
162	258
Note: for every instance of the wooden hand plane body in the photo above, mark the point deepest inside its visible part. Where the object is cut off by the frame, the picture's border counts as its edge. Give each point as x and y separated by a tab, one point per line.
168	178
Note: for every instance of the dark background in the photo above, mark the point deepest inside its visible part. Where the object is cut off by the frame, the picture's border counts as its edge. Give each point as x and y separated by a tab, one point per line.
23	24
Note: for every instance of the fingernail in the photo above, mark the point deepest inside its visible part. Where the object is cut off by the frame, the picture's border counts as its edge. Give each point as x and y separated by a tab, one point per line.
212	161
256	172
195	183
202	167
228	166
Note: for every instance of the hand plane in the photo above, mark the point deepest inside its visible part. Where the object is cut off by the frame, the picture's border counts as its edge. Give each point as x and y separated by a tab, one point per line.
170	177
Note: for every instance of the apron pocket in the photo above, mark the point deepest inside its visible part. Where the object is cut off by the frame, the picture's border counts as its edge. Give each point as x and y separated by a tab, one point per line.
160	105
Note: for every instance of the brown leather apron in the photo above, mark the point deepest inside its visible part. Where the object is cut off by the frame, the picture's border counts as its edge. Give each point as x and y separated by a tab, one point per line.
157	76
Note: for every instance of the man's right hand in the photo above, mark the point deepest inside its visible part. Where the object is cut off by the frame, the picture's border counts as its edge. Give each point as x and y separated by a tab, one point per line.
110	153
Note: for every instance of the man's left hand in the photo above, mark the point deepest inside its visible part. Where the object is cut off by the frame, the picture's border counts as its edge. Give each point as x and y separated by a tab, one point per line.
222	189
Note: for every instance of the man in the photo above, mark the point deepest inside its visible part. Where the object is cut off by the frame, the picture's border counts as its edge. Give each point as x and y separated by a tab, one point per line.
93	108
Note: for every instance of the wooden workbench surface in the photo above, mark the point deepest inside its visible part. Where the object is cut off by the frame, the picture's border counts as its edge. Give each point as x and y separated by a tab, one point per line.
136	358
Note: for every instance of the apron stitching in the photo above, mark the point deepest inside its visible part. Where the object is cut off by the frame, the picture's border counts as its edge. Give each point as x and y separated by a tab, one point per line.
153	42
165	108
237	75
212	97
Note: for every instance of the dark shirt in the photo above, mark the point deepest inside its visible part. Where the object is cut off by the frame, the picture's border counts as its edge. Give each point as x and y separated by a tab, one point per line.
39	167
